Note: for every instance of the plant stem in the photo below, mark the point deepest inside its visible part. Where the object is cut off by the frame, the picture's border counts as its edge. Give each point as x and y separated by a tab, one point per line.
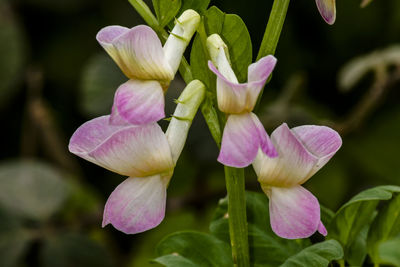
272	34
341	263
235	186
274	28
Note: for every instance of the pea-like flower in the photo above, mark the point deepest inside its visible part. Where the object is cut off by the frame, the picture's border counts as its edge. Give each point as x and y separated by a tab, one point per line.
243	134
327	9
149	66
303	150
143	153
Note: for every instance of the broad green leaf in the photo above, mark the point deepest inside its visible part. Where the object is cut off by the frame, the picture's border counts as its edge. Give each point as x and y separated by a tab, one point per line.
389	252
14	240
261	237
198	62
385	226
198	249
100	79
31	189
318	255
12	51
174	260
357	251
198	5
166	10
353	216
72	249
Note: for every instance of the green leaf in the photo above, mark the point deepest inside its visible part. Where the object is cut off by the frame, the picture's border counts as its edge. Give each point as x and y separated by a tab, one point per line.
234	32
357	251
100	79
195	248
261	237
72	249
353	216
385	226
31	189
198	5
14	240
211	117
166	10
318	255
389	252
12	52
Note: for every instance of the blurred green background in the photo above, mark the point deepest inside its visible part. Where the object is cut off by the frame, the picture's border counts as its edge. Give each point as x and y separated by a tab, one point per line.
54	76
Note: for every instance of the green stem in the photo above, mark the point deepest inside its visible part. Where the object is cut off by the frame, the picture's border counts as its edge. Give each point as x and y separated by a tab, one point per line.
274	28
272	34
235	186
341	263
235	182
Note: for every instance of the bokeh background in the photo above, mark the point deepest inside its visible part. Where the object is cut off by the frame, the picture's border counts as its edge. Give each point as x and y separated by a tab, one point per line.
54	76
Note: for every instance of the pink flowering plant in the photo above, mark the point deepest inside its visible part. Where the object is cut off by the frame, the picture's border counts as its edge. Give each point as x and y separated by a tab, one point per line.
284	226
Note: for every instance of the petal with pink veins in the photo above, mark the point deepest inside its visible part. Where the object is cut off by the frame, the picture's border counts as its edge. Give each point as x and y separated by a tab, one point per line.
136	205
137	51
327	9
243	136
294	212
138	102
125	149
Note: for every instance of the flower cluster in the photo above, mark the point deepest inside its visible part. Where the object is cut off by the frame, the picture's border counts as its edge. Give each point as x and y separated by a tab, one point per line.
284	161
129	141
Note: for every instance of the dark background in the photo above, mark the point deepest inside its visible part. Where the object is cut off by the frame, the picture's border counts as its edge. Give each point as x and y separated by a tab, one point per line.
54	76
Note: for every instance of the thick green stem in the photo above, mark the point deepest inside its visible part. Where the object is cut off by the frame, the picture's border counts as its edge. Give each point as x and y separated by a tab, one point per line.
235	186
274	28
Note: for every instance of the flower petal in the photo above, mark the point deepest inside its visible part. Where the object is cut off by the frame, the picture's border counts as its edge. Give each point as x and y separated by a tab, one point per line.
139	54
321	141
259	71
294	212
293	165
136	205
125	149
243	136
327	9
138	102
106	36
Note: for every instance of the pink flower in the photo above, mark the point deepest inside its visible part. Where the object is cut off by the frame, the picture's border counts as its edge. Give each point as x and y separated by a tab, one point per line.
143	153
303	150
327	9
243	134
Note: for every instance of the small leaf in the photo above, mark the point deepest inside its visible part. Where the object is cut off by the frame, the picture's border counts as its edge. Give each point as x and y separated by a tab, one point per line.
31	189
166	10
318	255
353	216
194	249
72	249
199	6
14	240
261	237
100	79
389	252
385	226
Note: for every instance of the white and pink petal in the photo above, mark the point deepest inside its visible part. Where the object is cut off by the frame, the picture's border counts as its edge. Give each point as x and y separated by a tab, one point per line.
125	149
137	51
293	165
136	205
327	9
138	102
294	212
243	136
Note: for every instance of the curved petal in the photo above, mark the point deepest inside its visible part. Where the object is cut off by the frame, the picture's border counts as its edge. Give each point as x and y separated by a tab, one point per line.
106	36
235	98
321	141
327	9
243	136
138	102
139	54
136	205
293	165
294	212
125	149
